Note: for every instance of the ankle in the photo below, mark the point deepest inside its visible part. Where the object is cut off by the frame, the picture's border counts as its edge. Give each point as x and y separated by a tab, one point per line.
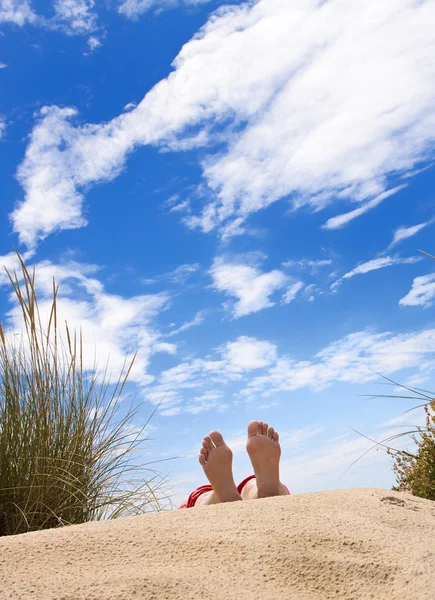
267	489
228	495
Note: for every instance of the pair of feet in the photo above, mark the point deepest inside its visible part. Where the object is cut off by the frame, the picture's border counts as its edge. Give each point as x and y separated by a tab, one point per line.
264	451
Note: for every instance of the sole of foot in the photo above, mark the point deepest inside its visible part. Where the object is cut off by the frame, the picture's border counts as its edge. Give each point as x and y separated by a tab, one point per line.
216	459
265	452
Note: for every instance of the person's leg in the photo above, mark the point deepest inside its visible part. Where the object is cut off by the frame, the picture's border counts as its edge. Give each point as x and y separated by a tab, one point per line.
216	459
265	452
207	498
250	491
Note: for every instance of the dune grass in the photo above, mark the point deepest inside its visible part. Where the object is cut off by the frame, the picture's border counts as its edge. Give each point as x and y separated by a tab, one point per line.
414	471
68	452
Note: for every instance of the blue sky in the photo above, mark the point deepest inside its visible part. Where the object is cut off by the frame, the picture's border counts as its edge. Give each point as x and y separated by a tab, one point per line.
239	191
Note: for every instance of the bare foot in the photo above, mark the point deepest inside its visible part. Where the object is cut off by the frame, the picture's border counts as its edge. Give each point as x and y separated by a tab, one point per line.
216	459
264	451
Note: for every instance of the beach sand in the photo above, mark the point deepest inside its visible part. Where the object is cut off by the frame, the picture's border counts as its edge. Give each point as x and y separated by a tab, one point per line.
352	544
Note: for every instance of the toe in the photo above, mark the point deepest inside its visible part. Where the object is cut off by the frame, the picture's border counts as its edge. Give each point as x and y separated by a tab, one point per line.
260	427
201	459
217	438
207	443
275	436
253	428
265	426
270	431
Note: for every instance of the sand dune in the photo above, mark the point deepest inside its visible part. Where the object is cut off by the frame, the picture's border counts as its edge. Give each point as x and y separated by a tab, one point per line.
352	544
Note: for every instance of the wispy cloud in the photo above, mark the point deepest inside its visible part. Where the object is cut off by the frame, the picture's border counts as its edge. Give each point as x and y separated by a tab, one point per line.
74	17
292	292
374	265
344	219
252	288
3	126
206	377
198	319
356	358
307	263
403	233
361	65
182	273
422	292
178	276
416	418
133	9
114	326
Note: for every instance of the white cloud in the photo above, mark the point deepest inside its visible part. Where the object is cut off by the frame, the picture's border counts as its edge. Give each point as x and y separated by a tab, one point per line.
344	219
402	233
182	273
205	402
3	65
113	327
422	292
180	207
252	288
335	98
248	353
11	263
374	265
198	319
308	263
2	126
179	387
419	379
292	292
179	275
93	44
129	106
310	290
415	418
75	17
16	11
356	358
176	387
132	9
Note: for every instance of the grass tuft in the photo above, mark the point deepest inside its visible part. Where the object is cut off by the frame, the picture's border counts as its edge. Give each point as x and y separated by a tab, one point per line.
415	472
67	451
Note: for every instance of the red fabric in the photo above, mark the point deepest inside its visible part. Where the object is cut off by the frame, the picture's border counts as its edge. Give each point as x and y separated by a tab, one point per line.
244	482
190	502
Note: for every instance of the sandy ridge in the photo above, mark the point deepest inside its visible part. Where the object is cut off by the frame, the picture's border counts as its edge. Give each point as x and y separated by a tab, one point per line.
352	544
